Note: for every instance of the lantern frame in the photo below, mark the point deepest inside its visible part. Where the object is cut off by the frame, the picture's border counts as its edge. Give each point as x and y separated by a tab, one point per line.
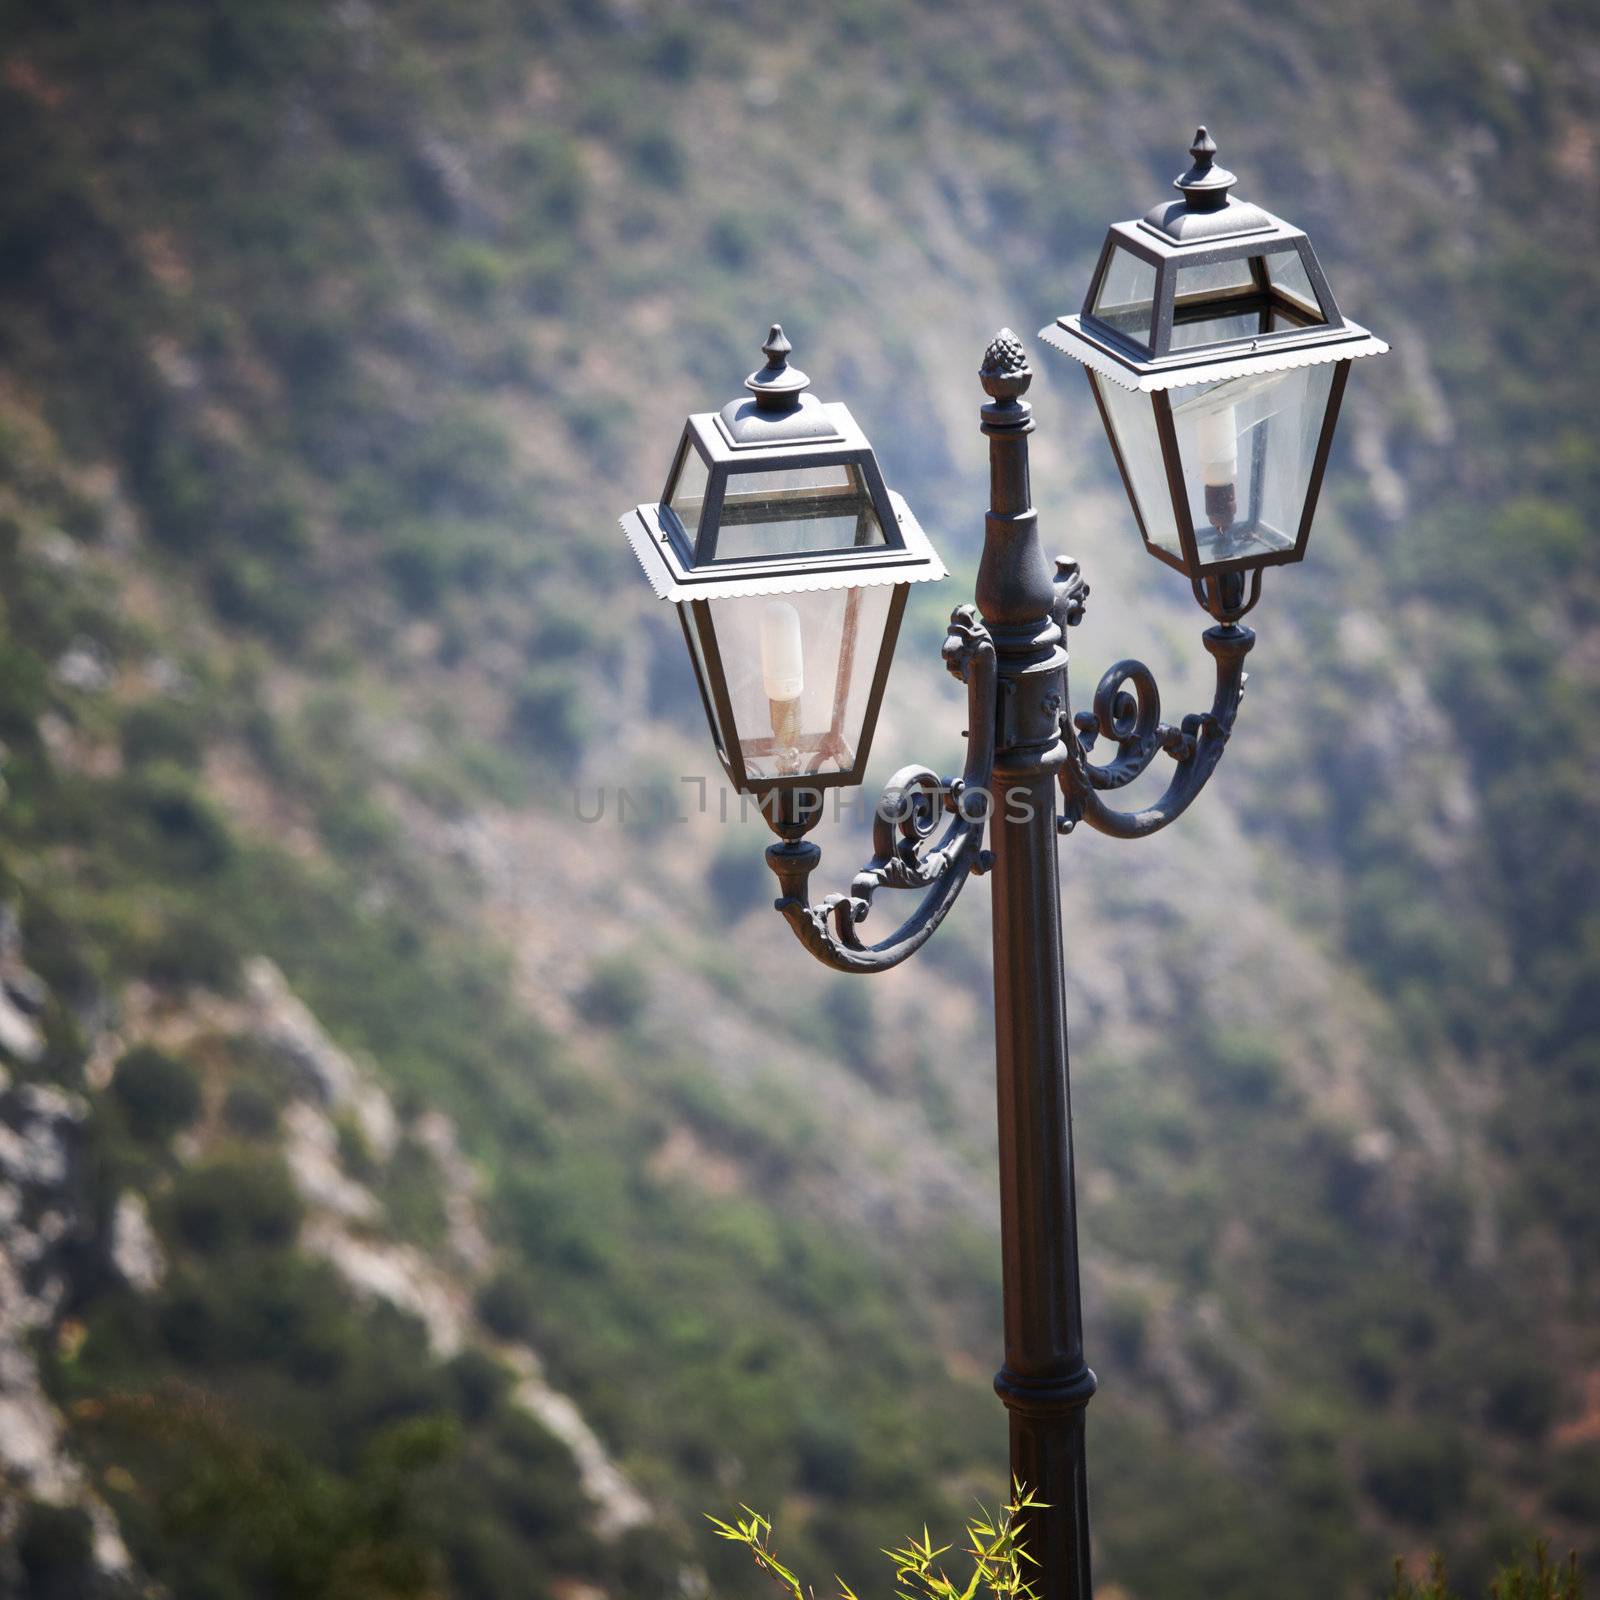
781	428
1209	227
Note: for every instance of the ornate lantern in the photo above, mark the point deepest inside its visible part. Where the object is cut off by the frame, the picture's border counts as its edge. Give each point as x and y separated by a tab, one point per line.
789	561
1218	357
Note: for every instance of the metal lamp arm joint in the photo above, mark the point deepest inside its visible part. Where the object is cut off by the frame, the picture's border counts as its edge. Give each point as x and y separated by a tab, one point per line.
1132	722
904	855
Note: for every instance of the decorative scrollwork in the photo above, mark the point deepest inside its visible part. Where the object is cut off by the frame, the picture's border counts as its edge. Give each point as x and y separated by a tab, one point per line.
904	855
1132	721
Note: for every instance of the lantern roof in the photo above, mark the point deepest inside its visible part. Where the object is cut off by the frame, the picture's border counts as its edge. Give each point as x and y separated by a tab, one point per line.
776	493
1203	288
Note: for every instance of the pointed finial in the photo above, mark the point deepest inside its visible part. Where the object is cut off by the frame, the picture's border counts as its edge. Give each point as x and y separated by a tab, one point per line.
777	347
1005	372
1205	185
777	386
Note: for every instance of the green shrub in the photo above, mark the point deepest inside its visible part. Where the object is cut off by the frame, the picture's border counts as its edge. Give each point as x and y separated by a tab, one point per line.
849	1023
355	1150
179	830
658	156
355	826
248	591
1303	1440
1127	1325
160	731
508	1304
534	1485
418	568
231	1513
235	1201
1575	1484
1376	1361
1239	1070
189	946
159	1094
480	1383
473	274
250	1111
827	1454
549	714
458	463
60	952
545	277
545	169
675	52
24	693
616	993
1416	1473
1524	1396
408	1185
733	240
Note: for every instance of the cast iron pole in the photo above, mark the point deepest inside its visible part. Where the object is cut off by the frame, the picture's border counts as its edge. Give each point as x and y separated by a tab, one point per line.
1044	1381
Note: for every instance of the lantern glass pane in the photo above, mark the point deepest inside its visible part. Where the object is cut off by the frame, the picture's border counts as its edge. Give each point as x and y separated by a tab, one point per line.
687	496
1218	321
787	511
1202	279
799	670
1286	272
1247	447
1242	299
1126	296
1216	326
1133	426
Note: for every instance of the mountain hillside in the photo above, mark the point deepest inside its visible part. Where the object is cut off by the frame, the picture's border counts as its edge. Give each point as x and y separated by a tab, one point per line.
422	1174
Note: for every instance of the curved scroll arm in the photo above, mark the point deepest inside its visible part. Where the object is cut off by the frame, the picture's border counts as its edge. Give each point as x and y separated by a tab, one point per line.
903	856
1132	721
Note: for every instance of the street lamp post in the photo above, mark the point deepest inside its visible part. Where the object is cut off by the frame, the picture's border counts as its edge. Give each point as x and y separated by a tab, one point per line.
1217	358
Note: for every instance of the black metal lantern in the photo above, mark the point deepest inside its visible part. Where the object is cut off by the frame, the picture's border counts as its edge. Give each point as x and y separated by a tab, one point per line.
788	559
1218	358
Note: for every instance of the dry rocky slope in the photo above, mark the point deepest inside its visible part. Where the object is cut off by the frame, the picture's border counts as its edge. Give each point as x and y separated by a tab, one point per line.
409	1188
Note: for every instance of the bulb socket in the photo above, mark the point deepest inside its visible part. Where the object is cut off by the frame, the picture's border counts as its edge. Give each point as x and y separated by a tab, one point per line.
1222	505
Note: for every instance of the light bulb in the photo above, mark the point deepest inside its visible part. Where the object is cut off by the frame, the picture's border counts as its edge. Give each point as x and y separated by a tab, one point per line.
784	679
782	662
1217	440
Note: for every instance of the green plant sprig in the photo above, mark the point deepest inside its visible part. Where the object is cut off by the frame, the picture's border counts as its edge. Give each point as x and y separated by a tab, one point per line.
994	1548
1545	1581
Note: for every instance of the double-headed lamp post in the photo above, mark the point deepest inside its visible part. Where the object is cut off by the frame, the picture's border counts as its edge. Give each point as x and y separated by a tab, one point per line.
1217	357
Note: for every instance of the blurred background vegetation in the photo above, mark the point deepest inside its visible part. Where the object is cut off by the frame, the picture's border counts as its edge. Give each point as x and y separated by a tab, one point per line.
411	1189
